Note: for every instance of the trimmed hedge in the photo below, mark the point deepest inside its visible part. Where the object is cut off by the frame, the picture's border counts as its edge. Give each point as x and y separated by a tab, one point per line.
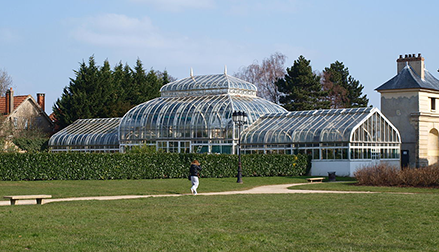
98	166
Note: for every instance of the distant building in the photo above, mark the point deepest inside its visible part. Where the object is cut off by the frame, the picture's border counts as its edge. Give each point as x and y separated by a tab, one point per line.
409	101
22	112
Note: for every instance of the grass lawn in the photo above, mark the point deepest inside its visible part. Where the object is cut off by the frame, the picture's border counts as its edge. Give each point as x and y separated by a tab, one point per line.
82	188
285	222
352	186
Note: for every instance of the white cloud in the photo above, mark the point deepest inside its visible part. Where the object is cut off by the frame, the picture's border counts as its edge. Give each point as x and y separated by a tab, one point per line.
114	30
266	7
122	37
178	5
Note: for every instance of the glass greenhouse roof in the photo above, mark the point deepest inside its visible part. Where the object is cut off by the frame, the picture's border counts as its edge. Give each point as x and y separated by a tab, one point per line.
208	85
191	117
99	133
317	126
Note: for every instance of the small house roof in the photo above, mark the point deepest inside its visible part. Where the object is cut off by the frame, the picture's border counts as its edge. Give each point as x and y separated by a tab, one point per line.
17	101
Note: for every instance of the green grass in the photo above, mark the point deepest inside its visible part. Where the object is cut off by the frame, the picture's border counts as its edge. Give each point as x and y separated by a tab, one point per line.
281	222
82	188
352	186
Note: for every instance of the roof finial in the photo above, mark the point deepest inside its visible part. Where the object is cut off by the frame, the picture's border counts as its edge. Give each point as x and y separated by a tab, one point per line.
192	72
225	69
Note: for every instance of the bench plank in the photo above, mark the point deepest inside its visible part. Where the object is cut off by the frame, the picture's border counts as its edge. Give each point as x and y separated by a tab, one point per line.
315	180
38	198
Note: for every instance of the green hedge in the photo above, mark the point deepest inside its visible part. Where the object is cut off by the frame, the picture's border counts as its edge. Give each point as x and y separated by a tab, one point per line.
87	166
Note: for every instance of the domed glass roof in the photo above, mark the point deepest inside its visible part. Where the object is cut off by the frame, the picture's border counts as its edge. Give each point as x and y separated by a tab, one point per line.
197	109
192	118
208	85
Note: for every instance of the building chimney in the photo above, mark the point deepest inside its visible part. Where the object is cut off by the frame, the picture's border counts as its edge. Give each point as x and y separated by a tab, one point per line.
41	100
416	62
9	101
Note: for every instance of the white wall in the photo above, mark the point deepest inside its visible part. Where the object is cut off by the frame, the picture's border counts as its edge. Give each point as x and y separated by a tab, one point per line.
321	168
344	168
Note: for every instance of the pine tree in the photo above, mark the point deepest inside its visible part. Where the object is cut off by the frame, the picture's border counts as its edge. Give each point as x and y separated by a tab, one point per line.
344	91
78	98
139	90
100	92
154	84
119	102
104	90
301	88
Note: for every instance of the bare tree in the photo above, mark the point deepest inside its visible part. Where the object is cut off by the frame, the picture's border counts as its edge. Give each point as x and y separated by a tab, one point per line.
5	82
265	75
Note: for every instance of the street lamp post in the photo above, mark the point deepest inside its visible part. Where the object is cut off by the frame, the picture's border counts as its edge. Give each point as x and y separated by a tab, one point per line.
239	118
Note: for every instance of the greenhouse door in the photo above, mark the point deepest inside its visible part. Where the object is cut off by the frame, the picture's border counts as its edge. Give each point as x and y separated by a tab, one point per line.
405	159
376	153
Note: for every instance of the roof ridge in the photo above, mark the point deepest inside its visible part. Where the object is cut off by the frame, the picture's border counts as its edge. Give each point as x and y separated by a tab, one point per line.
407	78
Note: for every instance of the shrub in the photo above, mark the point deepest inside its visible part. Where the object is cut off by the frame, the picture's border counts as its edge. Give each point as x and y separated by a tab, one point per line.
385	175
148	149
75	166
421	177
32	144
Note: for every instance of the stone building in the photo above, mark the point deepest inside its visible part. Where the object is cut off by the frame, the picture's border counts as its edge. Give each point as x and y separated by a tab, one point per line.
409	101
23	112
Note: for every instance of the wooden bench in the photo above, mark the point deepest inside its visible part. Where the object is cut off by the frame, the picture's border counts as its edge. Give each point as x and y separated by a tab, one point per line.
315	180
39	198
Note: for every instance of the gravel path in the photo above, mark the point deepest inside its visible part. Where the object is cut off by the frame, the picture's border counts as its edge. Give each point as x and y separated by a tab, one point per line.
268	189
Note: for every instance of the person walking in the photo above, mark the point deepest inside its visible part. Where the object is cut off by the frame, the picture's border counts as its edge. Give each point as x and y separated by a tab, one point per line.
195	174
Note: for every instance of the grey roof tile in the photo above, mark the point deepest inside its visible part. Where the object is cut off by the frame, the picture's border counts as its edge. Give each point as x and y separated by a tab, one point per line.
408	79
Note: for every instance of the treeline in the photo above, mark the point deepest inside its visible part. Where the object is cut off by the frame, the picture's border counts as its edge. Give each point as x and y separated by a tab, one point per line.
99	166
299	87
102	91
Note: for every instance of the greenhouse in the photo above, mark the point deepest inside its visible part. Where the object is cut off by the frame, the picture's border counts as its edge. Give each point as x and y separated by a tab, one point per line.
338	140
87	135
194	114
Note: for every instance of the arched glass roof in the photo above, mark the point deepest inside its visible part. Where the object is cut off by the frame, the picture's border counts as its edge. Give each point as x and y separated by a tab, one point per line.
192	117
100	134
317	126
208	85
197	109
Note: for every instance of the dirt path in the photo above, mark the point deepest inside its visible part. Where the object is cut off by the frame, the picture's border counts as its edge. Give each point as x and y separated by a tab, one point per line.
268	189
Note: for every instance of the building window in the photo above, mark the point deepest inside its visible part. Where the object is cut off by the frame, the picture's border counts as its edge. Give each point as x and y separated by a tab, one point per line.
433	103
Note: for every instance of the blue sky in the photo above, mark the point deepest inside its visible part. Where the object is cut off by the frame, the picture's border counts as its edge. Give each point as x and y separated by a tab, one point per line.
42	42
